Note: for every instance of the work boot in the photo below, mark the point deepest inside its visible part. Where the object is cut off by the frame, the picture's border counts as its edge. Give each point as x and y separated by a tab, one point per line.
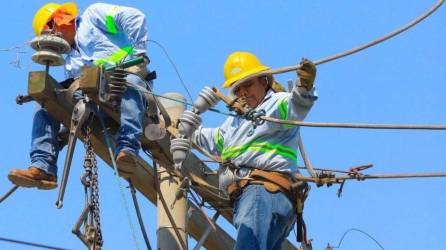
126	162
32	177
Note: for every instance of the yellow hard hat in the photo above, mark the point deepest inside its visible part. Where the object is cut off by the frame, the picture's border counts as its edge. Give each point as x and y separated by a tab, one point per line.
239	65
44	14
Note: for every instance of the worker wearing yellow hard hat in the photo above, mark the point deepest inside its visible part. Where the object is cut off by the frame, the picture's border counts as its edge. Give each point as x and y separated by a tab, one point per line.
262	156
242	65
98	38
46	12
239	65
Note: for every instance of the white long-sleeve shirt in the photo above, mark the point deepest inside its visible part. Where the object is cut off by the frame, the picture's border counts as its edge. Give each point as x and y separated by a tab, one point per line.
270	146
106	34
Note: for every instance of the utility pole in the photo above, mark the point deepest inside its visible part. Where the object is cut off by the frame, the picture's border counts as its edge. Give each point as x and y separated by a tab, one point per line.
167	237
169	187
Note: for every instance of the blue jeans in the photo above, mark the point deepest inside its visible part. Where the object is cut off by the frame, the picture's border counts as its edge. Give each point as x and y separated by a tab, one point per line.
44	144
263	220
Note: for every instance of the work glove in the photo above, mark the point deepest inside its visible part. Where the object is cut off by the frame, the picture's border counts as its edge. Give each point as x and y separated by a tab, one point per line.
306	73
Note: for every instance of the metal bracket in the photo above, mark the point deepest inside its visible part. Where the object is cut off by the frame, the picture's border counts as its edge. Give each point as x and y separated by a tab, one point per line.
183	188
83	113
21	99
354	172
89	235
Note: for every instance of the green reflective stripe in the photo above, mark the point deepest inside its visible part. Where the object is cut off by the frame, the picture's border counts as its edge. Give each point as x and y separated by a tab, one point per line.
115	57
261	146
110	21
283	109
111	25
264	147
218	140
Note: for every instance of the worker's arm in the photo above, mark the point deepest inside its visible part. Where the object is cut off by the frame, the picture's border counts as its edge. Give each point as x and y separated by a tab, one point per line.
120	21
210	139
133	23
303	95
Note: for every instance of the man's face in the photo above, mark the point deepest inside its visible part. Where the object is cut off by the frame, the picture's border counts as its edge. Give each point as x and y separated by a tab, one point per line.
63	22
253	91
68	32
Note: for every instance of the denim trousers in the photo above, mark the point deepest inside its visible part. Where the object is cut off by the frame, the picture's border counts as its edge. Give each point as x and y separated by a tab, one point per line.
263	220
45	146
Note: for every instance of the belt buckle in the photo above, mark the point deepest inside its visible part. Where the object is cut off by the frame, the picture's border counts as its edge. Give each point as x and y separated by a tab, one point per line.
243	172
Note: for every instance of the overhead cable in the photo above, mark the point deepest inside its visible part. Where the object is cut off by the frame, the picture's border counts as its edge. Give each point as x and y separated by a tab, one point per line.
357	230
353	50
356	125
174	67
31	244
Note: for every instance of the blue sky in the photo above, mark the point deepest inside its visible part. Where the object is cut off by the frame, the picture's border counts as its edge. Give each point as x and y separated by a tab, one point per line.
399	81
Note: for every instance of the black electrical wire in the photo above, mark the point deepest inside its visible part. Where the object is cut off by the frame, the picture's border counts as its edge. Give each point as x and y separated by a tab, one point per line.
32	244
138	213
174	67
360	231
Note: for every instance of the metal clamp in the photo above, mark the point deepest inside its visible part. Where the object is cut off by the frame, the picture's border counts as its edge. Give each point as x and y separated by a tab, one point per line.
255	117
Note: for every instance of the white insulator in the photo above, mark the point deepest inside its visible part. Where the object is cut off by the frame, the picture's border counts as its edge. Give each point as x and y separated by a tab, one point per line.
179	147
50	48
48	58
205	100
189	122
51	42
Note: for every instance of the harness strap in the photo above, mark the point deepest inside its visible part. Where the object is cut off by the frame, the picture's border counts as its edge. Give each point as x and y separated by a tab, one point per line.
275	182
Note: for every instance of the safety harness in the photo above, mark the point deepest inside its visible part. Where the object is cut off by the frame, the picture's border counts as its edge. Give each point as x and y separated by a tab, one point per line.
274	182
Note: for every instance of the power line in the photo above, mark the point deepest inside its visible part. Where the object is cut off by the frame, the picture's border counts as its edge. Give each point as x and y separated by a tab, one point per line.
353	50
174	67
31	244
357	230
17	50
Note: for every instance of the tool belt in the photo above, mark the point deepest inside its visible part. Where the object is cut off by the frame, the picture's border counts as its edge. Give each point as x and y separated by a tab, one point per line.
277	182
272	181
